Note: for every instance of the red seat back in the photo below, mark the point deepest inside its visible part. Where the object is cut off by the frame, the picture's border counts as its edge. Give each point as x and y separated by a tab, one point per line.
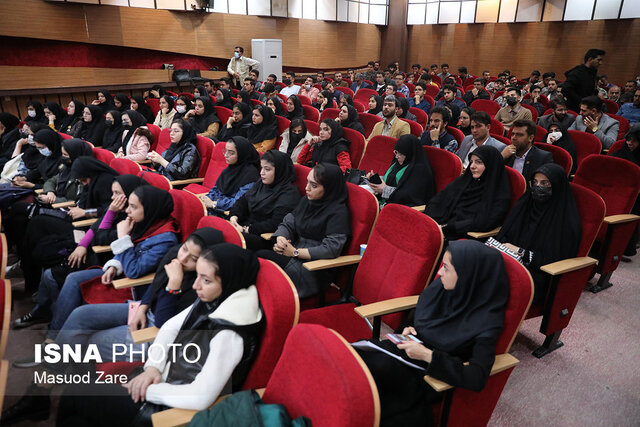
421	116
163	142
187	94
550	111
356	146
216	165
281	308
313	127
368	121
125	166
592	210
65	136
282	85
432	90
624	125
517	183
301	177
187	211
457	134
416	129
282	97
378	154
400	95
543	99
359	106
255	102
155	131
154	105
502	139
155	179
617	146
489	107
283	125
223	114
498	94
560	155
346	91
410	268
363	212
205	148
229	233
310	113
586	144
446	166
105	156
304	100
497	128
534	112
363	95
612	106
329	113
317	362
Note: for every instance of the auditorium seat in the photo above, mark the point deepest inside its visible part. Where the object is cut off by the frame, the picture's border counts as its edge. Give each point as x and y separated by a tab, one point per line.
624	125
313	127
363	95
155	179
457	134
496	128
329	113
105	156
356	146
230	234
304	100
612	106
534	112
378	154
489	107
586	144
421	116
560	155
416	128
125	166
283	125
446	166
368	121
310	113
223	114
216	166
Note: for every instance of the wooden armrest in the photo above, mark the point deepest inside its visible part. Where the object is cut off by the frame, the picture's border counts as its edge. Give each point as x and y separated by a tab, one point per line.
420	208
187	181
63	205
483	234
388	306
502	363
568	265
181	417
84	222
143	162
144	335
323	264
620	219
39	191
129	283
266	236
101	249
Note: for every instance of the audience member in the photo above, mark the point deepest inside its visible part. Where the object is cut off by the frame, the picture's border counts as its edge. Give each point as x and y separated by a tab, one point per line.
294	108
323	100
295	138
614	94
264	128
436	135
223	98
136	138
480	135
380	85
478	92
54	114
582	79
166	114
291	88
93	127
329	147
593	120
112	138
631	110
72	119
359	83
464	123
237	124
419	100
308	90
375	105
348	118
182	105
138	104
513	111
337	80
104	101
203	117
182	159
400	86
551	90
276	106
391	125
403	110
121	102
558	116
449	100
240	65
522	155
558	135
445	72
535	100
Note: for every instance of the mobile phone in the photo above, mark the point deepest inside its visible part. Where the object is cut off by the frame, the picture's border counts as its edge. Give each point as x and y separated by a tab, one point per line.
375	179
398	338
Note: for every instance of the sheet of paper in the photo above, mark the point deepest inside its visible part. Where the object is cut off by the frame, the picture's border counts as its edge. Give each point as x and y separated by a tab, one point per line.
369	346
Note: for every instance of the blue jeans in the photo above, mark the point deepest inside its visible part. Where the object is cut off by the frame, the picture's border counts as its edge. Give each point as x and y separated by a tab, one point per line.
102	325
70	297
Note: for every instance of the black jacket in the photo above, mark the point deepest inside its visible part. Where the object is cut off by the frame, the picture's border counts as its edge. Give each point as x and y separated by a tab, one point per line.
533	161
581	82
184	165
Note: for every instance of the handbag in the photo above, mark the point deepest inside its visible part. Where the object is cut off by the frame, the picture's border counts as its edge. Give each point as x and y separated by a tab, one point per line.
10	194
10	168
355	176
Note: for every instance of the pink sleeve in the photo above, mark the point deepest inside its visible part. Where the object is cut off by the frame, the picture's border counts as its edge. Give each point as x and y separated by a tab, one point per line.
107	219
86	240
139	148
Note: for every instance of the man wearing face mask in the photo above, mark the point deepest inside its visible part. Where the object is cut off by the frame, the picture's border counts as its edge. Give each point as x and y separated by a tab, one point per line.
240	66
292	88
559	116
308	90
513	111
522	155
593	120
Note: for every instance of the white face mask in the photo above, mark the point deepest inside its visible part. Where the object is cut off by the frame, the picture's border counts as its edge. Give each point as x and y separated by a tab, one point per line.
31	113
236	54
556	135
45	151
307	86
181	108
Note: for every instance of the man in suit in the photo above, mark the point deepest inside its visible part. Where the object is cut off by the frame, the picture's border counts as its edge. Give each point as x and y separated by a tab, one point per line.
593	120
391	125
359	83
480	135
522	155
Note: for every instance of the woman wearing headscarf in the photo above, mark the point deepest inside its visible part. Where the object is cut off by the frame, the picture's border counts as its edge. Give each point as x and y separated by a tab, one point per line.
182	159
46	162
265	205
631	152
329	147
54	114
61	187
409	180
375	105
93	126
544	225
112	139
465	120
144	237
239	176
225	323
263	131
156	91
348	118
403	103
276	106
136	138
35	113
345	99
323	100
71	123
96	177
318	228
559	136
295	138
165	116
476	201
294	108
238	123
182	105
203	117
9	135
138	104
200	92
104	101
121	102
223	98
244	97
459	318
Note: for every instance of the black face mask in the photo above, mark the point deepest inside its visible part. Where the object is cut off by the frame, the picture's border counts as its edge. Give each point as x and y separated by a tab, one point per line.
512	100
65	161
108	122
540	193
126	126
286	81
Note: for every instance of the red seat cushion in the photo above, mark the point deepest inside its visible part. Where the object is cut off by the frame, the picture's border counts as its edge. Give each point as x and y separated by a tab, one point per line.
340	317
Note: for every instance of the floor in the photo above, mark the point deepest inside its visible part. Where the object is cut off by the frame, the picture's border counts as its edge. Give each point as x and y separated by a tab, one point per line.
594	380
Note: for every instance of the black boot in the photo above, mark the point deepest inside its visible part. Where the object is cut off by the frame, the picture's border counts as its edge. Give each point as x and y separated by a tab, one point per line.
34	405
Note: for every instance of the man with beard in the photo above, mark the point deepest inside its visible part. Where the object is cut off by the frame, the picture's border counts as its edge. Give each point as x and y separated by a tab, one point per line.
631	110
558	117
391	125
593	120
582	79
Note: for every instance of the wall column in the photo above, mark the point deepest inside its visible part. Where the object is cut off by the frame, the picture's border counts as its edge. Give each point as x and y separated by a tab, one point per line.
395	36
